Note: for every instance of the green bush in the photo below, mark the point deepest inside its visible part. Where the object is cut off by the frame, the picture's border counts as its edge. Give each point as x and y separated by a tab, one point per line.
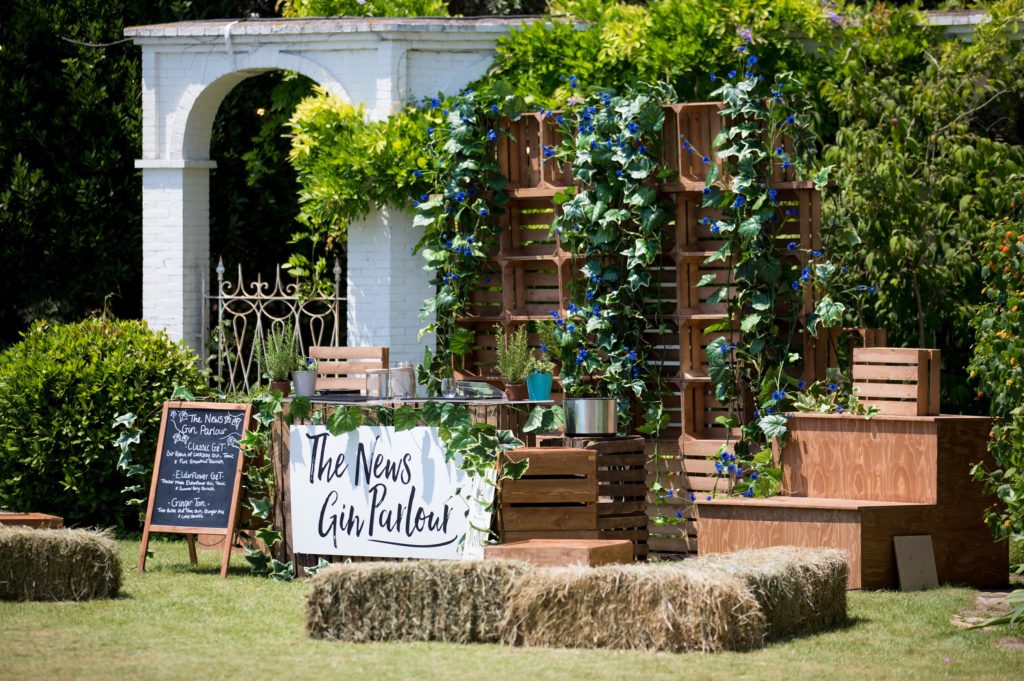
996	366
61	388
929	143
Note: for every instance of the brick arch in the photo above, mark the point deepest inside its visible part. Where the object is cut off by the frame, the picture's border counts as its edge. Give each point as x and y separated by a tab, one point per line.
187	70
197	109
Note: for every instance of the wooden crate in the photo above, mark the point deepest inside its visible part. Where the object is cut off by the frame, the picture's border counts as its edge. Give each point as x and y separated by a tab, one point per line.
696	124
38	520
559	552
521	156
902	381
596	491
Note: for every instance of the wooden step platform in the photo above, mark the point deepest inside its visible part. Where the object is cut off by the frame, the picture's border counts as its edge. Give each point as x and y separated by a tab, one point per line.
52	522
863	528
559	552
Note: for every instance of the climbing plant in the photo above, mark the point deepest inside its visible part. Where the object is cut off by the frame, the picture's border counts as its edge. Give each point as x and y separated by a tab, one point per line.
613	224
458	213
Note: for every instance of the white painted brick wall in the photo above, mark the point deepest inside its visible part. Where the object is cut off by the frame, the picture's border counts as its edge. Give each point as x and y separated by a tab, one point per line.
187	70
386	285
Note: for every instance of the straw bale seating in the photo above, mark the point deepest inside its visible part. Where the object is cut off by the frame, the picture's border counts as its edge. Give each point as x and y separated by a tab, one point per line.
726	602
57	565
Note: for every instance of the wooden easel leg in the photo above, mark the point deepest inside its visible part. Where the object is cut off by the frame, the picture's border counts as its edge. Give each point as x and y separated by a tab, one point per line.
144	548
228	541
190	539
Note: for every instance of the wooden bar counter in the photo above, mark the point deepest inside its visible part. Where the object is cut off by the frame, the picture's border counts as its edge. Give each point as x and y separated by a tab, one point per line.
856	483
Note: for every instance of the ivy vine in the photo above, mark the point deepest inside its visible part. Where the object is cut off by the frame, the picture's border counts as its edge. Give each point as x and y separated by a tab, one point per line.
459	217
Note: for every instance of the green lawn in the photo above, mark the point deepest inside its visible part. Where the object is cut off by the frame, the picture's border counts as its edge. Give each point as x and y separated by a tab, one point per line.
176	623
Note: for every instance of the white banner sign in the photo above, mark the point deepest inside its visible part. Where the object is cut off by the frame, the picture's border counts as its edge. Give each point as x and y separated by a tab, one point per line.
380	492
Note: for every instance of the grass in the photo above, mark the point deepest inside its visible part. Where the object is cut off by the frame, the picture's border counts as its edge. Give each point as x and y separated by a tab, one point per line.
176	622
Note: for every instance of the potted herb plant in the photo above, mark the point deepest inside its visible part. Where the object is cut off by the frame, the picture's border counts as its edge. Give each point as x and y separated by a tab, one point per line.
278	357
304	377
513	360
540	377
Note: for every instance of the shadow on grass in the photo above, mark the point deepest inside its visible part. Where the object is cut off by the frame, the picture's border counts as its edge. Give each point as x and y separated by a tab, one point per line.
849	624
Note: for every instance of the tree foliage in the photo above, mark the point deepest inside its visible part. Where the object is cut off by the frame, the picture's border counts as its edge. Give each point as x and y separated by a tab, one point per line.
929	138
70	208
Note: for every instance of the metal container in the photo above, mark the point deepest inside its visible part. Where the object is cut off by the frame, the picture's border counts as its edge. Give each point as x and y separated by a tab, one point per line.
590	416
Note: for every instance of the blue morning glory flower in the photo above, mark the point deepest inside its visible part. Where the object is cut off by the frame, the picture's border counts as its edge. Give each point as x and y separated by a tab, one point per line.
491	135
434	102
832	387
417	174
751	60
731	74
581	355
805	274
483	212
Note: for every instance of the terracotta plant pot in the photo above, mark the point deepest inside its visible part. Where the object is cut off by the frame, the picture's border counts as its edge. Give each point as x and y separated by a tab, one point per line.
516	391
283	387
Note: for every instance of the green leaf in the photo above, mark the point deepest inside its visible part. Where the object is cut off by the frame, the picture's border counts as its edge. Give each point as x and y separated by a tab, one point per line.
774	425
513	470
762	301
344	420
406	418
750	228
750	322
829	312
261	507
706	279
268	535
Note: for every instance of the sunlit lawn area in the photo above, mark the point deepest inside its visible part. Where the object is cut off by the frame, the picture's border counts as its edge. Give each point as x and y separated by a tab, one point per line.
178	623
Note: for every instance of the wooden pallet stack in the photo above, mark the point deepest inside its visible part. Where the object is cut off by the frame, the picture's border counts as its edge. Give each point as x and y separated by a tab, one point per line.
578	488
530	276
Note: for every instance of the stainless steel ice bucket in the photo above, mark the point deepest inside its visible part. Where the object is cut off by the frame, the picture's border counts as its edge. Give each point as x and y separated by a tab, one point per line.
590	416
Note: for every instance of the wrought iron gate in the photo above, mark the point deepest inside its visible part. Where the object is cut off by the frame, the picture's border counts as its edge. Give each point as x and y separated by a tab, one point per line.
245	312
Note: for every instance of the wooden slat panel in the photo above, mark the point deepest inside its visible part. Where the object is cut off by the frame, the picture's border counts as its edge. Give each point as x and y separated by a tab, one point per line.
347	352
884	372
542	491
886	355
556	461
325	383
894	391
894	407
527	518
345	368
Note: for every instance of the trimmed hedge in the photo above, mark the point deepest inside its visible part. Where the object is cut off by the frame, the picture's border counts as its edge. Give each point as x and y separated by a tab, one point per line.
61	388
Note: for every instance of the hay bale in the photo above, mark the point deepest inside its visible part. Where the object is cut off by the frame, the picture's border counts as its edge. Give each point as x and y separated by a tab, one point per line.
57	565
454	601
632	607
799	590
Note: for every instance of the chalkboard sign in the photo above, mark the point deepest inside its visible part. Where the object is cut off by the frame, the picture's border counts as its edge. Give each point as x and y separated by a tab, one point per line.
197	473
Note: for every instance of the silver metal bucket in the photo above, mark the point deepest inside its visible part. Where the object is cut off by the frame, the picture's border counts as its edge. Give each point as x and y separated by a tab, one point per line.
590	416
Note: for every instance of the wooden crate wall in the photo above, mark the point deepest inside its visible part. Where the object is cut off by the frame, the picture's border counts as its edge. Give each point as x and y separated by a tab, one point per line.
531	274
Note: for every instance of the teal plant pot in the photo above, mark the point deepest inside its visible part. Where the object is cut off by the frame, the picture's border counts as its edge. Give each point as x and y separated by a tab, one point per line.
538	386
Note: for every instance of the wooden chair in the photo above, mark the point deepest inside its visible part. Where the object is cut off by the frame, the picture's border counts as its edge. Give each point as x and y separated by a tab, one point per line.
344	368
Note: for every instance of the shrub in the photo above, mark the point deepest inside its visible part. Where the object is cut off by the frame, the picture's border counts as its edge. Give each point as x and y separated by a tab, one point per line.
996	366
61	387
57	565
930	140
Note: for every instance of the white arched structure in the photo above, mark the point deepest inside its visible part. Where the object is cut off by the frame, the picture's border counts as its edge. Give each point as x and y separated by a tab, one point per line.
187	70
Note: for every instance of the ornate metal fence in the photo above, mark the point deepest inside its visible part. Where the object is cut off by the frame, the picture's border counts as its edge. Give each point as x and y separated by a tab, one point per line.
245	312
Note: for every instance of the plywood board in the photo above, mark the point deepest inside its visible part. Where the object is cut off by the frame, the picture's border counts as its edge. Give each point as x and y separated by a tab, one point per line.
915	561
